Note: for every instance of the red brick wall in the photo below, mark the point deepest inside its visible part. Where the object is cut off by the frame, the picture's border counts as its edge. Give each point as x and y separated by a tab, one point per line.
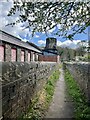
48	58
1	53
28	56
22	56
13	54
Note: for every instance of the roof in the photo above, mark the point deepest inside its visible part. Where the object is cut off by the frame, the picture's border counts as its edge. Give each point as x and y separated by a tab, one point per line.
34	45
6	37
50	51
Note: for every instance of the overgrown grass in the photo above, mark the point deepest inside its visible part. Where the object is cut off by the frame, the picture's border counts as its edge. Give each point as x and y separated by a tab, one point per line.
50	85
41	102
82	110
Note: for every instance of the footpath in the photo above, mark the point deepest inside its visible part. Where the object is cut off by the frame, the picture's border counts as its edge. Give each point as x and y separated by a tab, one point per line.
61	105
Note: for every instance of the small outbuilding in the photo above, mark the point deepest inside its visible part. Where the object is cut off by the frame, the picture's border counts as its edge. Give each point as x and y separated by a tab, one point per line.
50	52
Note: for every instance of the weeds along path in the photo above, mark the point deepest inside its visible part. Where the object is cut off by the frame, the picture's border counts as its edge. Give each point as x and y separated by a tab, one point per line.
61	105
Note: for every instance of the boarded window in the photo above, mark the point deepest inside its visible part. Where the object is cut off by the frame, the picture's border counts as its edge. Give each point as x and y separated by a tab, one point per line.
1	53
22	56
33	56
28	56
13	54
37	57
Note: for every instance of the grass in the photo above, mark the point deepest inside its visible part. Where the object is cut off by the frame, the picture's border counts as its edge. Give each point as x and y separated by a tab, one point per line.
82	110
50	85
43	98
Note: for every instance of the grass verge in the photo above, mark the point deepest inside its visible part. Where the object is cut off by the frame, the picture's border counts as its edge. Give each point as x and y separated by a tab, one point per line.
43	98
82	110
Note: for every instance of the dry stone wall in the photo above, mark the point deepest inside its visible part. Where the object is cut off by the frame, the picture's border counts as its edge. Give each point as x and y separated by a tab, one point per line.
81	72
20	81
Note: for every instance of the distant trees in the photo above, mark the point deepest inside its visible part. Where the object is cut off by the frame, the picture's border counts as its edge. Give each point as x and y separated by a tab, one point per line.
70	54
82	48
66	53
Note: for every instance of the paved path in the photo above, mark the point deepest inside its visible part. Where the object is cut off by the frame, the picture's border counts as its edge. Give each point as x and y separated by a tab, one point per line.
61	105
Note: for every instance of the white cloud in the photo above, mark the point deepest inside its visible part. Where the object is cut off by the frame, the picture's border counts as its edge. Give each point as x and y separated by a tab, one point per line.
25	40
86	44
41	42
59	26
37	36
51	30
59	43
68	43
16	30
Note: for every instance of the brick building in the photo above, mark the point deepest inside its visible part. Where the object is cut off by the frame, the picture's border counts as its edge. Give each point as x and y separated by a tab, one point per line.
50	52
14	49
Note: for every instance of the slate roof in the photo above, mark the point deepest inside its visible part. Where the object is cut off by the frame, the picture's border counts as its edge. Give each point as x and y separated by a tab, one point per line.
6	37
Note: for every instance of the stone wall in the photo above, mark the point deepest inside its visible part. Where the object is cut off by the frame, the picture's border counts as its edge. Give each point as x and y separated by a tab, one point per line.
81	73
20	82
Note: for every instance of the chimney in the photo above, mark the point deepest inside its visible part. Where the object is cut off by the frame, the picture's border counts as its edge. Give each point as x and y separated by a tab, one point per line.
51	43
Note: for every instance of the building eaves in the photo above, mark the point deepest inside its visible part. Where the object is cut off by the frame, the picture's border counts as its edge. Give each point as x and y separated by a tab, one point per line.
32	44
18	42
48	51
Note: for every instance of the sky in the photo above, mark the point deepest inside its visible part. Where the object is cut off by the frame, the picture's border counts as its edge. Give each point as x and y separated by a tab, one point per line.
39	38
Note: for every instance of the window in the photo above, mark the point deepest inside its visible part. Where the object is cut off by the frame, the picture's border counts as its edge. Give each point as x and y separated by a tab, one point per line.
37	57
22	56
13	54
1	53
28	56
33	56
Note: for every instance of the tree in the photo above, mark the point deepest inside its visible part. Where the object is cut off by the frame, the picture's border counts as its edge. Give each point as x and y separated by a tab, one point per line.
66	53
43	16
81	50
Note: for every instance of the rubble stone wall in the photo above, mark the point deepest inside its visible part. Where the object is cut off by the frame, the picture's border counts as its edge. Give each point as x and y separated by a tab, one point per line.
81	72
20	81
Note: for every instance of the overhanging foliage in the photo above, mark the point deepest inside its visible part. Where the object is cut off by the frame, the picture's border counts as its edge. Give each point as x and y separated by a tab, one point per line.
43	16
